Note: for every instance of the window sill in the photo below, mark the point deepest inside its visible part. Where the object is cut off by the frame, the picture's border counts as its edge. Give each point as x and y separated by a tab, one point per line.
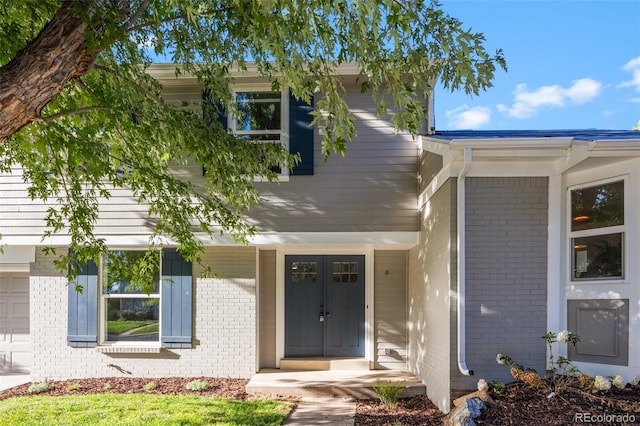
129	349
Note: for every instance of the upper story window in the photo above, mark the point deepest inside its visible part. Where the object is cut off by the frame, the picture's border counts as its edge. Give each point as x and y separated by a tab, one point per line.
260	114
597	231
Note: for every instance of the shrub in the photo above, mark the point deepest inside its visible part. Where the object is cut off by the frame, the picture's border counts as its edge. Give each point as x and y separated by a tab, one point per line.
497	387
562	371
142	315
39	387
73	387
150	386
388	392
197	385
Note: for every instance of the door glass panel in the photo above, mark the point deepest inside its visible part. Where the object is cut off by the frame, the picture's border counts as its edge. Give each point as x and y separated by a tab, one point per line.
304	272
345	272
598	256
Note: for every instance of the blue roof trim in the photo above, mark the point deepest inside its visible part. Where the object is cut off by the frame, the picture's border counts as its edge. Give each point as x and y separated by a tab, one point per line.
586	135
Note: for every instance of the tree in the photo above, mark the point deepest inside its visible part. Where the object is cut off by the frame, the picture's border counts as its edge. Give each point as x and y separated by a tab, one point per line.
81	116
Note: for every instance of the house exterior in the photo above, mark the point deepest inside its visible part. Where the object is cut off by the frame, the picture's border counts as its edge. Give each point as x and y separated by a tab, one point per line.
428	254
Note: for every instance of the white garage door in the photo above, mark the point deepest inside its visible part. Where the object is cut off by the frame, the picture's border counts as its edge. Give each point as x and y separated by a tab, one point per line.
15	345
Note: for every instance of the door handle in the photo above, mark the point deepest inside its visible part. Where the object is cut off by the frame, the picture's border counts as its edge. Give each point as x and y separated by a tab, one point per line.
321	318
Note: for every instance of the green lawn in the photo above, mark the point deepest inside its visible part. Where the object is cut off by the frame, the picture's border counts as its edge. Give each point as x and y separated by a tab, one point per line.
119	327
140	409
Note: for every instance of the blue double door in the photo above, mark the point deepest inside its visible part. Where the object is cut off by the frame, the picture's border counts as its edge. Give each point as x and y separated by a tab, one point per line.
324	306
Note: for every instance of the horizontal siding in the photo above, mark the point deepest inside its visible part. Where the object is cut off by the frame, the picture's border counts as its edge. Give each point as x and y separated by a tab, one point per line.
267	309
372	188
390	301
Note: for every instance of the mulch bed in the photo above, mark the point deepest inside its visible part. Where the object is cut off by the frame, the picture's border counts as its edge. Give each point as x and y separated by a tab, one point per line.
227	388
521	404
417	410
525	405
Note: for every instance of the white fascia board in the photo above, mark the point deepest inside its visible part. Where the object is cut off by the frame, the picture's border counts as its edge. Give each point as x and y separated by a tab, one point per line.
396	240
399	240
437	146
168	71
519	168
616	148
511	143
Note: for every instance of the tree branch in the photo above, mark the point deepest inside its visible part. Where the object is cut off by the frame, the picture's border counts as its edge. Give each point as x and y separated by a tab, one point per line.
132	82
52	117
152	23
136	15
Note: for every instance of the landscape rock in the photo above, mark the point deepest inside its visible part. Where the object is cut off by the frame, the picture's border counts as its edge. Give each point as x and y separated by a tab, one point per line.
464	413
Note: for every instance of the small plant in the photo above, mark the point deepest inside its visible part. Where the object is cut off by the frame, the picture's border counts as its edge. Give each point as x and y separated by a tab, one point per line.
73	387
562	371
497	387
562	367
601	383
197	385
150	386
107	387
618	381
388	392
39	387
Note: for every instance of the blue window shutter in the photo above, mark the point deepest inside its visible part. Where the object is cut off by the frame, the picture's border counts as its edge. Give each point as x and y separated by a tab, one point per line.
213	110
176	299
301	135
82	324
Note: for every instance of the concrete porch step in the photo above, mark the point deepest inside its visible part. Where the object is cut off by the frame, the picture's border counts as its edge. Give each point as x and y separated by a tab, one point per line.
321	363
356	384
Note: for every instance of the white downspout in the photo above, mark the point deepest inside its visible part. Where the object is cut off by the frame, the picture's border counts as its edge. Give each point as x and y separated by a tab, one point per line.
461	270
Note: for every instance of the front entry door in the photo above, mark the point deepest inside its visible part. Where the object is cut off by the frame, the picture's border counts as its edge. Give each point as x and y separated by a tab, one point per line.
324	306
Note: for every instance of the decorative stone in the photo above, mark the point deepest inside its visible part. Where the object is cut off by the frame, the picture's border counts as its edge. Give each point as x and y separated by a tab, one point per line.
483	395
464	413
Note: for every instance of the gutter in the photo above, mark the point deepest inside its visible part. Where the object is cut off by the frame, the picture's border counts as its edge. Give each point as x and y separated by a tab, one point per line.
461	269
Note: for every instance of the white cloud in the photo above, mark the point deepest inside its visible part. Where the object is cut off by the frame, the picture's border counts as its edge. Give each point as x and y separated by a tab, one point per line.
527	103
464	117
634	67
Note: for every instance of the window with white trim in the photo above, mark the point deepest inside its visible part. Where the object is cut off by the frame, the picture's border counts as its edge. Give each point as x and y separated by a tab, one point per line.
260	114
597	232
294	116
113	309
130	309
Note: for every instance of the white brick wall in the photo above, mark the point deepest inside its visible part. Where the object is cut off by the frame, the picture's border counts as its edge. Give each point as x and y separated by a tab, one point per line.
431	268
224	326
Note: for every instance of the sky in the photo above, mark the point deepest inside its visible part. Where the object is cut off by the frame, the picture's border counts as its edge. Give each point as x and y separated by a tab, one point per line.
572	64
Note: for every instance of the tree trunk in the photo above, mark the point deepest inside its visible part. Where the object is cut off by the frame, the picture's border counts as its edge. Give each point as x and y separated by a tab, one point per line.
41	70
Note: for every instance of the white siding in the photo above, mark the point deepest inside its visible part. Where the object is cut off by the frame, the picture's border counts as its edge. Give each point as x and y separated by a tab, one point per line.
373	188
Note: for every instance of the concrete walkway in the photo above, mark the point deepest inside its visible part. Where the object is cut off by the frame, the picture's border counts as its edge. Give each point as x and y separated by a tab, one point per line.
11	380
323	411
